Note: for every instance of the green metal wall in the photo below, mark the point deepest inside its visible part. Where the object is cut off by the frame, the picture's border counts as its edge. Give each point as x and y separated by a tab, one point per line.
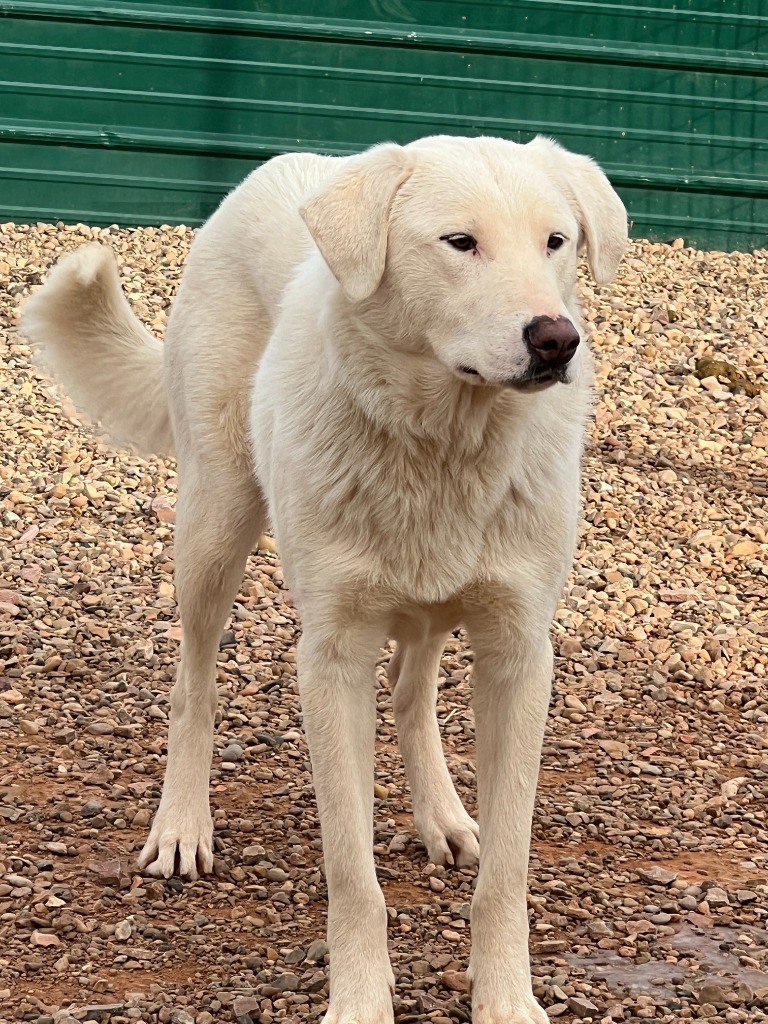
137	112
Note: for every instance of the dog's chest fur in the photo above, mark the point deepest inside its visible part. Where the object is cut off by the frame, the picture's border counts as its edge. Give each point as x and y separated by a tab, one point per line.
483	492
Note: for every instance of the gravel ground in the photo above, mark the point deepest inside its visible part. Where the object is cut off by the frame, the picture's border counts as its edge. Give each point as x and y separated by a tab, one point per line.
649	876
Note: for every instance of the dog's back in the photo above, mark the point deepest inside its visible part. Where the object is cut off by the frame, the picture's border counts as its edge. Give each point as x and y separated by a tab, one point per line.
255	240
238	268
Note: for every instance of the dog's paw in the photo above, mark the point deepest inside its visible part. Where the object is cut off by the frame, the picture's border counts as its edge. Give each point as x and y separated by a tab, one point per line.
530	1013
360	1015
362	983
451	838
180	843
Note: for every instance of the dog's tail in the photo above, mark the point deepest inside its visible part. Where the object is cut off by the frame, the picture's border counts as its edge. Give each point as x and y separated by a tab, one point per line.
85	334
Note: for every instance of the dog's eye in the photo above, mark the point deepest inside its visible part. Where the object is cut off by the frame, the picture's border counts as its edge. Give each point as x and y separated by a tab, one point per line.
464	243
555	241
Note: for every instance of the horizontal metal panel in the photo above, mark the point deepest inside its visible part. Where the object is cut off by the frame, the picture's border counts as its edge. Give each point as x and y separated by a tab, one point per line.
706	29
120	187
707	114
671	98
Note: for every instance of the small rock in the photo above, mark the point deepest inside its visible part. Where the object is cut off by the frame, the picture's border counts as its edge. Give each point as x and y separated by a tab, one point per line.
657	875
18	881
102	1011
573	702
598	929
59	848
108	871
232	753
64	735
286	982
745	548
182	1017
548	946
615	749
91	809
741	994
455	981
746	896
582	1006
713	993
707	1010
253	854
399	842
100	729
317	951
717	897
123	931
730	787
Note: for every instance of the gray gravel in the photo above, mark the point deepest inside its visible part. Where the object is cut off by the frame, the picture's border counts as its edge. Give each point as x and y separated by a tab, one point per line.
649	875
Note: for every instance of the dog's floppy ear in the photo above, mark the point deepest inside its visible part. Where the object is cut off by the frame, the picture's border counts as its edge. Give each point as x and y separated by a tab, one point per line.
348	218
601	214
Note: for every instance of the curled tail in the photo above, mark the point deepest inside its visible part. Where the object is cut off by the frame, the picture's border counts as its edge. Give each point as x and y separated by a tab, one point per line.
85	334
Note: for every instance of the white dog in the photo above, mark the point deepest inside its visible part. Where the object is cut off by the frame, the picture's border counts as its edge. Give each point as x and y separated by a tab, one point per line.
383	353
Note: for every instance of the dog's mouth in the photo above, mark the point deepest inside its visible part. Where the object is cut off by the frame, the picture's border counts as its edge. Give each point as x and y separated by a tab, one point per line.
535	379
539	381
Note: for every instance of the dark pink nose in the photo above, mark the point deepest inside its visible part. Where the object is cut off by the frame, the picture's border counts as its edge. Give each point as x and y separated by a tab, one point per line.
553	342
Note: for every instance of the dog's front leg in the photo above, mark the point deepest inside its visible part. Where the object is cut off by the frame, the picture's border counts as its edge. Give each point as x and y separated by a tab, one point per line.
512	681
336	682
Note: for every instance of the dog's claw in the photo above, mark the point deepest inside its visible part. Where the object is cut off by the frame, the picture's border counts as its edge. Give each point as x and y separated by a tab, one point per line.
452	843
184	848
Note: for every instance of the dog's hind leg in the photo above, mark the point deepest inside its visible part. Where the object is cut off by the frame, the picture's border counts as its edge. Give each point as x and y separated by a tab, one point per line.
448	832
219	519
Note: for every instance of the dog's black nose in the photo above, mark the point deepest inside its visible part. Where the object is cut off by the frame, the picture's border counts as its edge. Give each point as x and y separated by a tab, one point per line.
554	342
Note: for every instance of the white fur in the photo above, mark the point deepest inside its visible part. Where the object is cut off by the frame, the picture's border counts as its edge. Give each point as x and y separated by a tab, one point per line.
408	497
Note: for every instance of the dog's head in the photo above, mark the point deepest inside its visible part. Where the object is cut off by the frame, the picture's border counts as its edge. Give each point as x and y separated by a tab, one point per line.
467	248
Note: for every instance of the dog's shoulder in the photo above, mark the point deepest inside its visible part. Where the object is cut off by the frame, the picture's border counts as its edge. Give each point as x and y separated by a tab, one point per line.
256	239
